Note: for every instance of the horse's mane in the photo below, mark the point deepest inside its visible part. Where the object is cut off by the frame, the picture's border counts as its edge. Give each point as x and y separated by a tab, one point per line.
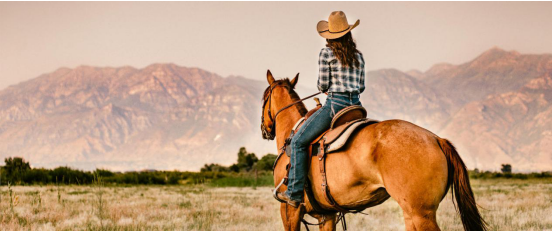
293	95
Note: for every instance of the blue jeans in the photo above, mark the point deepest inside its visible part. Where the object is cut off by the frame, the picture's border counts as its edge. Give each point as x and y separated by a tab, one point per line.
314	126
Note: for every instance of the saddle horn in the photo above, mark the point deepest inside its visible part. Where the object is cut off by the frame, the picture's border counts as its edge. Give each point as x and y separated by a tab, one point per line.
317	101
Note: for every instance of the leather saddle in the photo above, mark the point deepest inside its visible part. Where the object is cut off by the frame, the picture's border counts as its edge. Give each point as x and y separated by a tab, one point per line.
343	124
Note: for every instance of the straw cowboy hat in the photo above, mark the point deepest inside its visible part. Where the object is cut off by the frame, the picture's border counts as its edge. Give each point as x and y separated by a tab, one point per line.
336	27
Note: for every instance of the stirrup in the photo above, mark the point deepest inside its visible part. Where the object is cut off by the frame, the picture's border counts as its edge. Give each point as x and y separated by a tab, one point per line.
275	191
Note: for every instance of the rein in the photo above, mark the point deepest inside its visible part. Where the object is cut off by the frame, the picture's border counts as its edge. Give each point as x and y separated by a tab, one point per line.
294	103
271	135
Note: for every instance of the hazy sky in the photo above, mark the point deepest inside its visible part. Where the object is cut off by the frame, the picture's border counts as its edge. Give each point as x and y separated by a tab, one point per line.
247	38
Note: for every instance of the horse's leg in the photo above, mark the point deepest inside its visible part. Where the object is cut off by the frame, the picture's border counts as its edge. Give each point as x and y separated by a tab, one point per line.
409	226
419	210
419	213
291	217
283	216
328	222
424	219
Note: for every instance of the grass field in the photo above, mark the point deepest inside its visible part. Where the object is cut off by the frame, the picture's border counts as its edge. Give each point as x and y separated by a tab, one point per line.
507	204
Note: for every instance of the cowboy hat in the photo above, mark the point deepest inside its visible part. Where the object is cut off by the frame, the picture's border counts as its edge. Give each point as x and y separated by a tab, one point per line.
336	27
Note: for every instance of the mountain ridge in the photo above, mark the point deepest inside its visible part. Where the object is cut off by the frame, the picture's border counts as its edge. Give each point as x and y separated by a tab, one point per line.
165	116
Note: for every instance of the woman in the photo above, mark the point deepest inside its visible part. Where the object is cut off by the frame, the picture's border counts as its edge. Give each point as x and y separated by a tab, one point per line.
342	78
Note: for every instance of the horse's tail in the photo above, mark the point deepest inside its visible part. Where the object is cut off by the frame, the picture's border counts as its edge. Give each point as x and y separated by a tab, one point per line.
458	177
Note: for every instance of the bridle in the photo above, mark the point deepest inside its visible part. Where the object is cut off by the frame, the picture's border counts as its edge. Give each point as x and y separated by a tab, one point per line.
270	135
266	134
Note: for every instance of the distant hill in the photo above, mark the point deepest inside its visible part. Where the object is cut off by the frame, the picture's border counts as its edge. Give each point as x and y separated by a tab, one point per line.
512	127
493	72
495	109
159	117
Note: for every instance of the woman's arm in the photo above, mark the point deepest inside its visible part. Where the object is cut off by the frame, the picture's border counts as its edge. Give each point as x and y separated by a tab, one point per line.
324	71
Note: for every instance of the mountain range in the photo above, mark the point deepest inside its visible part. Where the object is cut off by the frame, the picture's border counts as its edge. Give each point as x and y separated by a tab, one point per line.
495	108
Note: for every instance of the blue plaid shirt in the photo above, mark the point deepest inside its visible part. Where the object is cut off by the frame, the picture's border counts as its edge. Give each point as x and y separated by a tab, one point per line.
333	77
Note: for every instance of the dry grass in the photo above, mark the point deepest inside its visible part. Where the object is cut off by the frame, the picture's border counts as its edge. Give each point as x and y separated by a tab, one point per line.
507	205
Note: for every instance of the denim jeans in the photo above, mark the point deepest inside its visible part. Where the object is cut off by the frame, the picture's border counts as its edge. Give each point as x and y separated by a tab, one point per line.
314	126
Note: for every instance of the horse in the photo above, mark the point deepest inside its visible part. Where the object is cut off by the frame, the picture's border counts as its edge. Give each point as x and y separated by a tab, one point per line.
392	158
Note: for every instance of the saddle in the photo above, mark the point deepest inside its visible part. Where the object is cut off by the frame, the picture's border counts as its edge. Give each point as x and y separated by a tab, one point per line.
343	124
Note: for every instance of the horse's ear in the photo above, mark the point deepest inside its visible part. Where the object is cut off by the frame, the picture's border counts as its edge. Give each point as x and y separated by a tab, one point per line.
295	80
270	77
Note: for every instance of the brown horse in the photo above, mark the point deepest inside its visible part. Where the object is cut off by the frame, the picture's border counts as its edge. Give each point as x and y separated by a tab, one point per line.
392	158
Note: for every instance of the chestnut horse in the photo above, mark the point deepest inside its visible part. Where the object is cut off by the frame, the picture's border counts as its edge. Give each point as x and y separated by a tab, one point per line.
391	158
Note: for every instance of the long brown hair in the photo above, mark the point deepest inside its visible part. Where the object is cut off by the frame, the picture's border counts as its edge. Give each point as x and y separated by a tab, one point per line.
345	49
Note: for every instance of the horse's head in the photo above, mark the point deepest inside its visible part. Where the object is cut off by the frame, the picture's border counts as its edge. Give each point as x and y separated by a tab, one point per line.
275	93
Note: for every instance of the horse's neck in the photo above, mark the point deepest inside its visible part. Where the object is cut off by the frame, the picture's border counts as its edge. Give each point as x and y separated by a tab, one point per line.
285	122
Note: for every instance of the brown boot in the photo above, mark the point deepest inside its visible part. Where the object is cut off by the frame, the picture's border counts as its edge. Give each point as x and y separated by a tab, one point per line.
291	202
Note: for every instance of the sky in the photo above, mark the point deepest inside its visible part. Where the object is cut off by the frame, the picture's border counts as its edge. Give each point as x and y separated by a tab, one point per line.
247	38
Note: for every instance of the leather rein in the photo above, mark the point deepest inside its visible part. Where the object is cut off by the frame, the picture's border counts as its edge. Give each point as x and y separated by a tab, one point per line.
271	135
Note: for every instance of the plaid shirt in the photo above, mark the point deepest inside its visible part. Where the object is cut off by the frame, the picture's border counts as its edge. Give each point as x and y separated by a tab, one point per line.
333	77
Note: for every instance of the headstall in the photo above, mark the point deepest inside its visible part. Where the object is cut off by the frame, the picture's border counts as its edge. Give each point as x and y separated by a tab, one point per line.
270	135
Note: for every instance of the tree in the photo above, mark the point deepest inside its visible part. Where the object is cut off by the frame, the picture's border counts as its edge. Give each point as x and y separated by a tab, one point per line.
506	168
234	168
103	173
245	161
214	168
36	175
266	162
15	168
